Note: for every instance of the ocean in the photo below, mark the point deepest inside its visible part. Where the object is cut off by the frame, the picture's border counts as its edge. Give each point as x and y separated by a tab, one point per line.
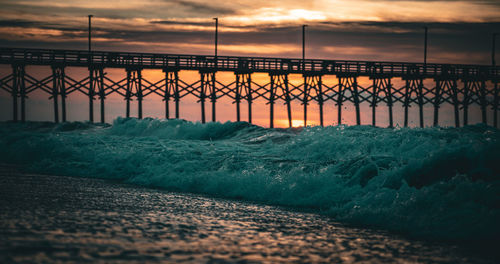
440	185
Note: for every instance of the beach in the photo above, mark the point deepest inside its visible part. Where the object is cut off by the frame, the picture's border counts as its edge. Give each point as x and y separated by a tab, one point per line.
46	218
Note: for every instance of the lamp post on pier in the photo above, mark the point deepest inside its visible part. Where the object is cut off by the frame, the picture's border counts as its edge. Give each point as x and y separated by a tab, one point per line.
216	34
303	46
90	32
425	45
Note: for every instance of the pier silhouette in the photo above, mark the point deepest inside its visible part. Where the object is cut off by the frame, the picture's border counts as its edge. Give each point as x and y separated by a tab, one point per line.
460	85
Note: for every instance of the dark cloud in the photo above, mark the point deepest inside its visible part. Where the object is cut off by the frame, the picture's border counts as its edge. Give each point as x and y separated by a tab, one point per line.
178	8
392	40
205	8
375	40
57	11
187	23
18	23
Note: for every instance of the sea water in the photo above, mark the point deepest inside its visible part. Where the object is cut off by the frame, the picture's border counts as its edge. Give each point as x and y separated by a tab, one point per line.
429	183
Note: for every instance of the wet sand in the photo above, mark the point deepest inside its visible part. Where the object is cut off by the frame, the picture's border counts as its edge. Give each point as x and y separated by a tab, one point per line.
66	219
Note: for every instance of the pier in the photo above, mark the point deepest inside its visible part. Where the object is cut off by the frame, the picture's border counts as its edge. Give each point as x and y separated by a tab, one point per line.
459	85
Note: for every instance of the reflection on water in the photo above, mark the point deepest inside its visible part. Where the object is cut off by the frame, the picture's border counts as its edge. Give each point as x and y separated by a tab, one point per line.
53	218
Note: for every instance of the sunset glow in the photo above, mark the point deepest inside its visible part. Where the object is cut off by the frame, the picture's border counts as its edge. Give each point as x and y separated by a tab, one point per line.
344	27
297	123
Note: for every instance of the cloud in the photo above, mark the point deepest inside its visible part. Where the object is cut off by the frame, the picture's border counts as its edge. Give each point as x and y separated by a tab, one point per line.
482	2
203	7
177	22
167	26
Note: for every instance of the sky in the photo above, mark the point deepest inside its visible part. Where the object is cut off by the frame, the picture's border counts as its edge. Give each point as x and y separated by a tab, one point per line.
387	30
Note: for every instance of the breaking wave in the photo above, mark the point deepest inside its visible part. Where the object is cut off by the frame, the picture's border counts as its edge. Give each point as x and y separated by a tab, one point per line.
438	183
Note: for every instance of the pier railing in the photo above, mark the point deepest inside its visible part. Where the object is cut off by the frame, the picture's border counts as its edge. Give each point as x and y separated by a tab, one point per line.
233	63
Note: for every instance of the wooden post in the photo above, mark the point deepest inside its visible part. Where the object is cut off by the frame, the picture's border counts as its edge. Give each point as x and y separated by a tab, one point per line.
22	94
465	101
320	100
374	99
177	96
19	90
456	104
340	99
202	95
237	96
389	101
91	93
482	101
271	102
62	91
213	95
249	97
407	101
139	94
17	72
55	92
128	93
354	84
437	100
102	92
305	99
63	104
420	98
287	99
166	97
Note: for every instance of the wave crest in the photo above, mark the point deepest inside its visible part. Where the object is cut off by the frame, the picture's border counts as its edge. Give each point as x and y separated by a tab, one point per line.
435	182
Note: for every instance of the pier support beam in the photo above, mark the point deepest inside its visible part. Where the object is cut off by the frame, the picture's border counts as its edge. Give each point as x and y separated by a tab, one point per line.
279	89
102	93
171	90
134	88
243	90
446	86
348	82
59	88
18	90
62	92
96	85
312	91
91	94
474	91
413	85
382	84
207	89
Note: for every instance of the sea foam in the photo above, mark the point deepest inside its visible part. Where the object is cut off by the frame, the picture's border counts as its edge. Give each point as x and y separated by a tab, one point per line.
437	183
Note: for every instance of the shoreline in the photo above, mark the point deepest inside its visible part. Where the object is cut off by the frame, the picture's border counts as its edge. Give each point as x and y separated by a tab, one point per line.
101	220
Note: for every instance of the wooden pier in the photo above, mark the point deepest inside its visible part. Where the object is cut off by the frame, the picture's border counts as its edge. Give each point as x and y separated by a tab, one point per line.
457	84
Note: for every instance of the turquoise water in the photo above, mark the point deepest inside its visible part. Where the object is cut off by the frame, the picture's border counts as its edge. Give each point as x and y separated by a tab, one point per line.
432	183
